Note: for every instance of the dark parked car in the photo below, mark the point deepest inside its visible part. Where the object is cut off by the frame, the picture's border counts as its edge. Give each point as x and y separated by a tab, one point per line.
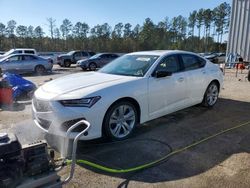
96	61
65	60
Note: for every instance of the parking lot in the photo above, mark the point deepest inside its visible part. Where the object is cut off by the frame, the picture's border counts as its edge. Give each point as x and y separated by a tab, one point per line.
223	161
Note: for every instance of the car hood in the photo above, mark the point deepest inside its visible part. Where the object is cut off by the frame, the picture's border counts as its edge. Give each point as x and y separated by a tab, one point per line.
78	84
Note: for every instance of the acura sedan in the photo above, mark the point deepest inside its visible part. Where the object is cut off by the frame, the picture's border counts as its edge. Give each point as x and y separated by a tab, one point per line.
131	90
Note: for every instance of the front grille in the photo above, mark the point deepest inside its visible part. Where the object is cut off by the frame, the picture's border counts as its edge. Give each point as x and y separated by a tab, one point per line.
44	123
41	106
66	125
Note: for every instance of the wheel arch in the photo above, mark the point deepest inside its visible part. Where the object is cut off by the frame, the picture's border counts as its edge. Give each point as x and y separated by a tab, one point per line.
216	82
130	99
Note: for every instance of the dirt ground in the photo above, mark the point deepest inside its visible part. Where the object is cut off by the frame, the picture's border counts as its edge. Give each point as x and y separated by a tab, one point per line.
223	161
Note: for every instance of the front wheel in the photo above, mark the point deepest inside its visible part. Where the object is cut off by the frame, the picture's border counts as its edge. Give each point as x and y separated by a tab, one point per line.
120	120
67	63
211	95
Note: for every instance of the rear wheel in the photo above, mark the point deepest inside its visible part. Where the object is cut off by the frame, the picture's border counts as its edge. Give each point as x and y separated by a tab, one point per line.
39	69
92	66
211	95
120	120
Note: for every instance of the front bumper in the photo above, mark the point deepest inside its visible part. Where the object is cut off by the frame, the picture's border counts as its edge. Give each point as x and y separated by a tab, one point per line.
56	119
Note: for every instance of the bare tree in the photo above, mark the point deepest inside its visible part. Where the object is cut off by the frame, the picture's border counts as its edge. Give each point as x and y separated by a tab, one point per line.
51	25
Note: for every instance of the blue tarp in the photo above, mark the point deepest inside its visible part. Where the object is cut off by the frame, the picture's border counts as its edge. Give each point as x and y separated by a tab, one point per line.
19	85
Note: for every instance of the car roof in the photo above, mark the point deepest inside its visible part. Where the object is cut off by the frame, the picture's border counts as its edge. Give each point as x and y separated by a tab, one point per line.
24	49
19	55
160	52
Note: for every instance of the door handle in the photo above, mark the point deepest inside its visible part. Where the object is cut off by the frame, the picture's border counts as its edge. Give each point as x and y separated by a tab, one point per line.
203	72
181	79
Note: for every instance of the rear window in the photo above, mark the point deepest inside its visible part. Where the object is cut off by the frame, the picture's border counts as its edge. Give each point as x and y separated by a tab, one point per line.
192	62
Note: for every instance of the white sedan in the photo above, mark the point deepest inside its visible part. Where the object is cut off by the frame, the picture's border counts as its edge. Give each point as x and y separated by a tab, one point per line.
129	91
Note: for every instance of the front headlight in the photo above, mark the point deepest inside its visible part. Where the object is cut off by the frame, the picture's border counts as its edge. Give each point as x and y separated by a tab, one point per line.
85	102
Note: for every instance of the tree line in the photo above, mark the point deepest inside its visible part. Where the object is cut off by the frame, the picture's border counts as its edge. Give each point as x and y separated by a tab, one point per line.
202	31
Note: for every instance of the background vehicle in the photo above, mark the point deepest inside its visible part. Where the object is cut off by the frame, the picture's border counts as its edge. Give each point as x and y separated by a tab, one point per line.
65	60
50	55
19	51
132	89
25	63
216	57
96	61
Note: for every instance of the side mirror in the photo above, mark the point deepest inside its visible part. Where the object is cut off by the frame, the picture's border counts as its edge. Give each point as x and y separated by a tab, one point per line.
161	74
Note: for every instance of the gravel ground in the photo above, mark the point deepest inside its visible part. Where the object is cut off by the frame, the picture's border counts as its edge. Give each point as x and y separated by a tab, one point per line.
221	162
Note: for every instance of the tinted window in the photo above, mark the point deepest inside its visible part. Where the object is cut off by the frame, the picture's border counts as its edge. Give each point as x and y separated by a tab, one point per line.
29	52
91	53
28	57
104	56
192	62
169	64
78	54
113	55
84	54
17	52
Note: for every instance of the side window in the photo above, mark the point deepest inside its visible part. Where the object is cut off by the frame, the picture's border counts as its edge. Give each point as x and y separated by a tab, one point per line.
78	54
192	62
17	52
91	53
170	64
104	56
29	52
28	57
114	56
15	58
85	54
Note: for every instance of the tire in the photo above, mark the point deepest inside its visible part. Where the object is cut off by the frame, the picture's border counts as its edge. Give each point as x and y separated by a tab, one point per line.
40	70
211	95
92	66
84	69
120	120
67	63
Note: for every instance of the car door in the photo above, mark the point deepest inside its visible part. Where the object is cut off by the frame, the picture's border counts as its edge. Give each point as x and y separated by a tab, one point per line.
85	55
77	56
11	64
167	94
103	60
28	63
194	66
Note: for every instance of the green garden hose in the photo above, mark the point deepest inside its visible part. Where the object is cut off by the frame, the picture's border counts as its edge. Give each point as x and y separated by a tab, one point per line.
153	163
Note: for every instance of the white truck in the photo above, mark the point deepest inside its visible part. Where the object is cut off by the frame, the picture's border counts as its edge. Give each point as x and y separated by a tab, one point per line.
19	51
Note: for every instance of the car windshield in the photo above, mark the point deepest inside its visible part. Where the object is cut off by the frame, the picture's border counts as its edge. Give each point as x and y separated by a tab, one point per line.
70	53
130	65
95	56
8	53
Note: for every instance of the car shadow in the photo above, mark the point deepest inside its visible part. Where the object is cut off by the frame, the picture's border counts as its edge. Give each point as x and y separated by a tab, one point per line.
15	107
159	137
